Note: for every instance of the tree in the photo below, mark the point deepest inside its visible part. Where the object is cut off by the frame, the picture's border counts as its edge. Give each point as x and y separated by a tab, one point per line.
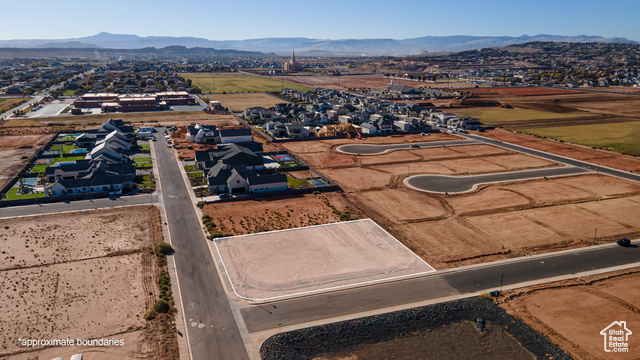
188	82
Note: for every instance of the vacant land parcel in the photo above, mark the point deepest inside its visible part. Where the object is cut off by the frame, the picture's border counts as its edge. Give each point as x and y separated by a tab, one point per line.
575	326
98	280
15	153
453	230
295	261
239	102
239	83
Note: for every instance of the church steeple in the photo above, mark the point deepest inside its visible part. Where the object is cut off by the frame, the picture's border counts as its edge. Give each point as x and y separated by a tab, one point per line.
293	55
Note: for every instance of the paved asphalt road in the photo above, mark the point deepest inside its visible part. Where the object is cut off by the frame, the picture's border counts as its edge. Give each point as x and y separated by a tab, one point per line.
438	285
77	205
557	158
368	149
215	334
458	184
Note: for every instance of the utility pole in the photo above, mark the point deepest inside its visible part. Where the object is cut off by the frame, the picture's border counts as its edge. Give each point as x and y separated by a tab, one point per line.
594	236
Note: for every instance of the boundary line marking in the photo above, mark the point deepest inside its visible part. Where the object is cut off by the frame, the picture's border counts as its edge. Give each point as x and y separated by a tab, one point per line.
327	289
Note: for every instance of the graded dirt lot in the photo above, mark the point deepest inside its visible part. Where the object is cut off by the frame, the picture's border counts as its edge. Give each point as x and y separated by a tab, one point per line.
281	263
454	230
98	280
15	153
247	217
572	313
239	102
606	158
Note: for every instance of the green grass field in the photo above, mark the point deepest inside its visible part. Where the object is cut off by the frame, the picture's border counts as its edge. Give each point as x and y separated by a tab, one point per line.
505	115
295	182
12	194
193	175
142	160
190	168
240	83
143	165
64	148
619	137
41	168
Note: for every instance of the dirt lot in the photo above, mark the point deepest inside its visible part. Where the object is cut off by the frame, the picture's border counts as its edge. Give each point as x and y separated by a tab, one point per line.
95	281
294	261
239	102
246	217
606	158
15	153
454	230
575	326
182	144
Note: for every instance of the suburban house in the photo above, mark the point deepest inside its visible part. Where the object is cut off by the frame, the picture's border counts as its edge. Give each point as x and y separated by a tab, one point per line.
211	135
227	136
247	155
267	183
100	178
201	134
238	168
116	141
85	140
81	168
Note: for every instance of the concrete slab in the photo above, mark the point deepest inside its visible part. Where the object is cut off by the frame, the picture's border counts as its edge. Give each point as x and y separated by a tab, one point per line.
296	262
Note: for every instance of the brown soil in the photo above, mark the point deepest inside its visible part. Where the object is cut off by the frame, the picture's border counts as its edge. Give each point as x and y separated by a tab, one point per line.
457	341
97	280
606	158
526	91
247	217
572	313
16	151
456	230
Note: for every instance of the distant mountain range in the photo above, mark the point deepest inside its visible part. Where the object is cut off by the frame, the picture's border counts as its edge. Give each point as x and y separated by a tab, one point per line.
306	46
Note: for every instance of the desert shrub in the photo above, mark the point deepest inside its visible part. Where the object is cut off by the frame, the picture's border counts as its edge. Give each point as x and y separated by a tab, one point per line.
161	306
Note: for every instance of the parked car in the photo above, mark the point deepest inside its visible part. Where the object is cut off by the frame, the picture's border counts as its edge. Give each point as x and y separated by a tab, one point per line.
224	196
624	242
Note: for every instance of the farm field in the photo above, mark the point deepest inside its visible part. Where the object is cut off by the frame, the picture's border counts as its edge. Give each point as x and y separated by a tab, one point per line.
600	120
575	326
500	115
83	282
621	137
239	102
363	81
455	230
239	83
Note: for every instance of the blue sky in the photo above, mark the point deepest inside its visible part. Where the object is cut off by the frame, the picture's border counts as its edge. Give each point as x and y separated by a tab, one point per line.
325	19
